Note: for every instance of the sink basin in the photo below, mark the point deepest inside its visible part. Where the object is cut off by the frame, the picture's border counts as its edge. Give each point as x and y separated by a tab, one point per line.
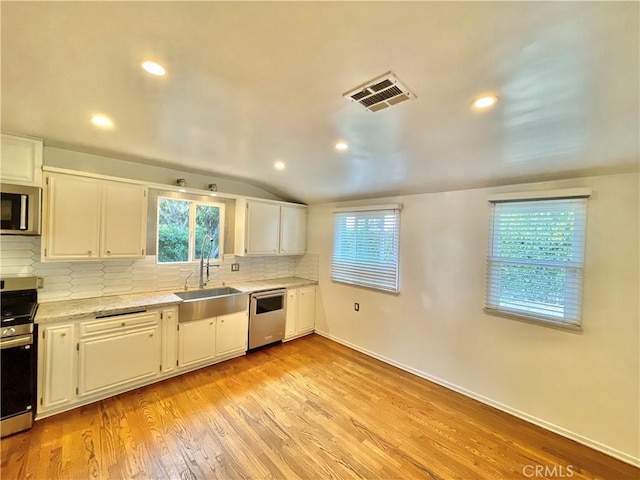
212	302
208	293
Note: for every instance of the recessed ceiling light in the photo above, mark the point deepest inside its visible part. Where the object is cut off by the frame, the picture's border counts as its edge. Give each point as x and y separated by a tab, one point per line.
280	165
181	190
484	102
341	146
154	68
213	194
101	121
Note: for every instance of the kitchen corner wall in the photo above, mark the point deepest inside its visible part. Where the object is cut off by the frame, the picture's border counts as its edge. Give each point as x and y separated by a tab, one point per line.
74	280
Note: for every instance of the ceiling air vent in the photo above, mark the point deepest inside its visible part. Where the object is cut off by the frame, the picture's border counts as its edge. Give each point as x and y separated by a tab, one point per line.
379	93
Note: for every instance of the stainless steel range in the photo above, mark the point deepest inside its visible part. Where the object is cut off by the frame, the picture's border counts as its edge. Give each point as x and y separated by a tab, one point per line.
18	304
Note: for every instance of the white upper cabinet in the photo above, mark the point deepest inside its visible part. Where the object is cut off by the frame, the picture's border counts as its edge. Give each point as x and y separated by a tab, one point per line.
263	220
21	161
293	230
71	218
124	220
264	228
88	218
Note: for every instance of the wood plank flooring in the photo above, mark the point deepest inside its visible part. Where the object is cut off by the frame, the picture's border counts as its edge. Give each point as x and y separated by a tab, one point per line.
310	409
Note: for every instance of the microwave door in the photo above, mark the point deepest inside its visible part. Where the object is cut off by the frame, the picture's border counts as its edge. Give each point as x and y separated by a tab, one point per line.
12	211
20	210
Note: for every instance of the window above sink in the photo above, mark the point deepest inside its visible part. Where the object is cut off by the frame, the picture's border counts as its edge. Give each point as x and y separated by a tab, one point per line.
181	226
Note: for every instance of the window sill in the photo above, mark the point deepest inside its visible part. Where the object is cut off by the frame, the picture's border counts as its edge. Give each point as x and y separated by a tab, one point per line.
367	287
545	322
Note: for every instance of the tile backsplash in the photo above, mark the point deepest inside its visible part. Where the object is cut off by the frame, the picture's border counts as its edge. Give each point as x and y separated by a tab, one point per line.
72	280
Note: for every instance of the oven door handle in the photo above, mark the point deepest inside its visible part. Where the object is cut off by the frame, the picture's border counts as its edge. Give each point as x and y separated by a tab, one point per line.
260	296
16	342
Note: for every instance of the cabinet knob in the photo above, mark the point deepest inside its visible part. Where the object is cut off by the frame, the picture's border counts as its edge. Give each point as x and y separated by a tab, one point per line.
90	252
275	250
108	252
122	324
222	321
63	334
210	323
151	335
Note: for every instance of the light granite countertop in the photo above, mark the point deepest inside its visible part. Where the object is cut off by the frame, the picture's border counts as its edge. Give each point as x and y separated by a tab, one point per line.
73	309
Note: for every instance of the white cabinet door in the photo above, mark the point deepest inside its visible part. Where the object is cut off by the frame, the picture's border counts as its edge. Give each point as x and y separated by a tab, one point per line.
197	342
263	228
169	339
57	366
292	313
306	309
231	334
21	161
112	361
124	220
72	221
293	230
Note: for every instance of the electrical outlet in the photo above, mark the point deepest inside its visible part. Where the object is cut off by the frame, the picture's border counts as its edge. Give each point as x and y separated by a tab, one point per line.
235	267
356	307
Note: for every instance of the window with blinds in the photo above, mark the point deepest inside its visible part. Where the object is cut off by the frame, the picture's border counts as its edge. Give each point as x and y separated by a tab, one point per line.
536	258
365	248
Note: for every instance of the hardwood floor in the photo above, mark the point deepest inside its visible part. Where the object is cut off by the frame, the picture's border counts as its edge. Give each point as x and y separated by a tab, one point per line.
308	409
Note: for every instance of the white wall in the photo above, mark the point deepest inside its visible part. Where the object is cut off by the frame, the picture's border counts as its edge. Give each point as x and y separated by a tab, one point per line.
583	385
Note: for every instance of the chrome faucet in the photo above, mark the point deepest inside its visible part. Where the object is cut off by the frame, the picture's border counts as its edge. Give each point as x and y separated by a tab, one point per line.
201	281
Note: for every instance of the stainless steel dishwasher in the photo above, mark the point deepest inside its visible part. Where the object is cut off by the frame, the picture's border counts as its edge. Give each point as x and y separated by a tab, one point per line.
267	317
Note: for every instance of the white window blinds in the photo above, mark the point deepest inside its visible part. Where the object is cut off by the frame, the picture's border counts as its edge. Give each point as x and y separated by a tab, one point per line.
536	258
365	248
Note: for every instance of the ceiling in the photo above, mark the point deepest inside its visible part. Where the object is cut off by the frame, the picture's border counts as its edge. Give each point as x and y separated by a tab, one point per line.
249	83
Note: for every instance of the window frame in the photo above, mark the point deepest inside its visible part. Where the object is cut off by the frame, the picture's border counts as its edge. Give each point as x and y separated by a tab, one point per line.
362	211
191	247
562	323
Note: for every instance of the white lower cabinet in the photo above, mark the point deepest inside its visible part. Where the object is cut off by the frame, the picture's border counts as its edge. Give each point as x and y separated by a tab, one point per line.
301	312
110	361
292	313
232	334
205	340
169	318
57	364
306	309
196	342
89	359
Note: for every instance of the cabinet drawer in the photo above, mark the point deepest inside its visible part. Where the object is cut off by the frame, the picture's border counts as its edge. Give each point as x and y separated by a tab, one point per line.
118	323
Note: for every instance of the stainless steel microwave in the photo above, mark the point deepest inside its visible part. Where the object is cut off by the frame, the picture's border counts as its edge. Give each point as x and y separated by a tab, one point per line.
20	210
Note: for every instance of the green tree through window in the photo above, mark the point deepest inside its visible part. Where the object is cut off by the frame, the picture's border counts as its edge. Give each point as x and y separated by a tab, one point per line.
182	225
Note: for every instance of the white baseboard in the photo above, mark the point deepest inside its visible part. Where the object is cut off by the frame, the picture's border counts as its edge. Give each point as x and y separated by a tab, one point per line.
492	403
